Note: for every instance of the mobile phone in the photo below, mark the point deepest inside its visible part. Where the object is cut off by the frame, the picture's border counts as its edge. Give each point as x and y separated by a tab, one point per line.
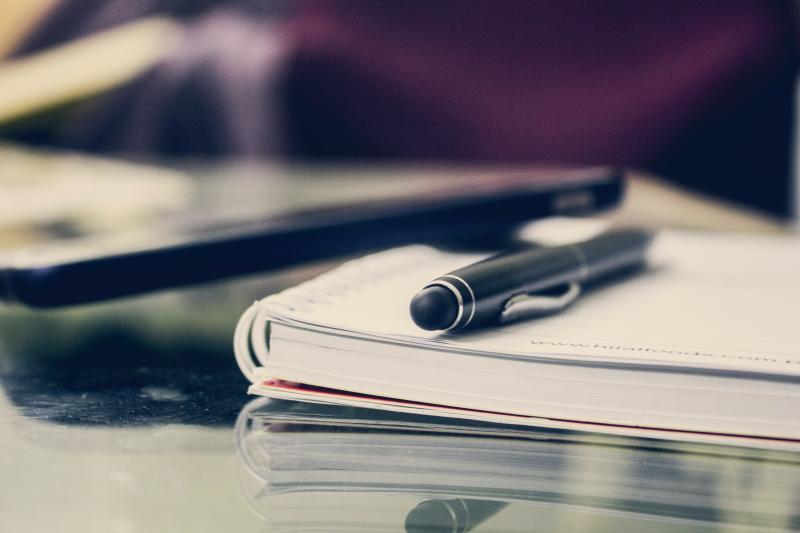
451	209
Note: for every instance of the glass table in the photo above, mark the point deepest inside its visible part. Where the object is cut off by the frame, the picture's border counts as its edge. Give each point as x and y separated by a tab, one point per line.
132	416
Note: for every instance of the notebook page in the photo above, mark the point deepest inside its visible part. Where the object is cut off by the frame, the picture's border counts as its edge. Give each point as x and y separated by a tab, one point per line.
710	301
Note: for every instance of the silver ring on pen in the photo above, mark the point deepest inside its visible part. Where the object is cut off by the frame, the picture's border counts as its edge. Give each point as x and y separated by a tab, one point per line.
464	296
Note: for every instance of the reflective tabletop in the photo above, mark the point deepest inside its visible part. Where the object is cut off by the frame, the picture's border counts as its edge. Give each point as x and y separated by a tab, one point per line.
132	416
110	423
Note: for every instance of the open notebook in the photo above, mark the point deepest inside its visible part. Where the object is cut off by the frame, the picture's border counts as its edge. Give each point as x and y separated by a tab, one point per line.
706	342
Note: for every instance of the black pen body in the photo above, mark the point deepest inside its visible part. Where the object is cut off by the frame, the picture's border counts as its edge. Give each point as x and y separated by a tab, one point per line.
481	291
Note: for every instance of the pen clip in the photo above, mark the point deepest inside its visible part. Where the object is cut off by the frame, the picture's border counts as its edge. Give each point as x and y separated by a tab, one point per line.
527	305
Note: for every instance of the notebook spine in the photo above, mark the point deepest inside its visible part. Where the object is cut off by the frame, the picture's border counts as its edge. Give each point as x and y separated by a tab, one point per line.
241	343
251	337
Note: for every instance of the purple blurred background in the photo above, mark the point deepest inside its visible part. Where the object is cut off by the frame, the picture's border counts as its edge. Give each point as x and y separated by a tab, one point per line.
699	92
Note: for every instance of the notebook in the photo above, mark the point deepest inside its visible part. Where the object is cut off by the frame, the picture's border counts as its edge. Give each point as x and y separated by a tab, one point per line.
314	467
704	344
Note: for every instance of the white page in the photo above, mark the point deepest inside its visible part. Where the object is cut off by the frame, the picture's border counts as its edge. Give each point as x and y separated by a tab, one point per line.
710	300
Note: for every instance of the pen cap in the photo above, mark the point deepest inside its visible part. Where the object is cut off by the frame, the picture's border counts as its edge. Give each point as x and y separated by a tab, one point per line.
484	289
491	283
434	308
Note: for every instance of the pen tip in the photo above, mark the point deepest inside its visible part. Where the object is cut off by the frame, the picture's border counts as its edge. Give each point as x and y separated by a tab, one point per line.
434	308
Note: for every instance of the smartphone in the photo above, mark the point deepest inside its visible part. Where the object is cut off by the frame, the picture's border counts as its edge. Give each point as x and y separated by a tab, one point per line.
451	207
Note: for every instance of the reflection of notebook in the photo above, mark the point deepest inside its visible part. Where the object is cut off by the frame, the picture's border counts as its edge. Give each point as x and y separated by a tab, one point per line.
312	467
705	342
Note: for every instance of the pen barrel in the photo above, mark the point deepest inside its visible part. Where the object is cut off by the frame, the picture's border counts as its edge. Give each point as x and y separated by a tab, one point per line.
485	287
614	251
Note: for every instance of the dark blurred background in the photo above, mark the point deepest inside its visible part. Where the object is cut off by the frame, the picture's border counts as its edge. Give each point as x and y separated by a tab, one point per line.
701	93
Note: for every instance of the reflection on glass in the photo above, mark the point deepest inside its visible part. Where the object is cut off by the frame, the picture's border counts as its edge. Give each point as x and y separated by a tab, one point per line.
312	467
458	515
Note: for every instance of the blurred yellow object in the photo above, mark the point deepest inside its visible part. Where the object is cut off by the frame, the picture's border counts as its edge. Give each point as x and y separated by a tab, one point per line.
17	17
83	67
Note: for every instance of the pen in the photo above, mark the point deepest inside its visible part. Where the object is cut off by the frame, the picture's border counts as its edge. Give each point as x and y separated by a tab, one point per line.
520	284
